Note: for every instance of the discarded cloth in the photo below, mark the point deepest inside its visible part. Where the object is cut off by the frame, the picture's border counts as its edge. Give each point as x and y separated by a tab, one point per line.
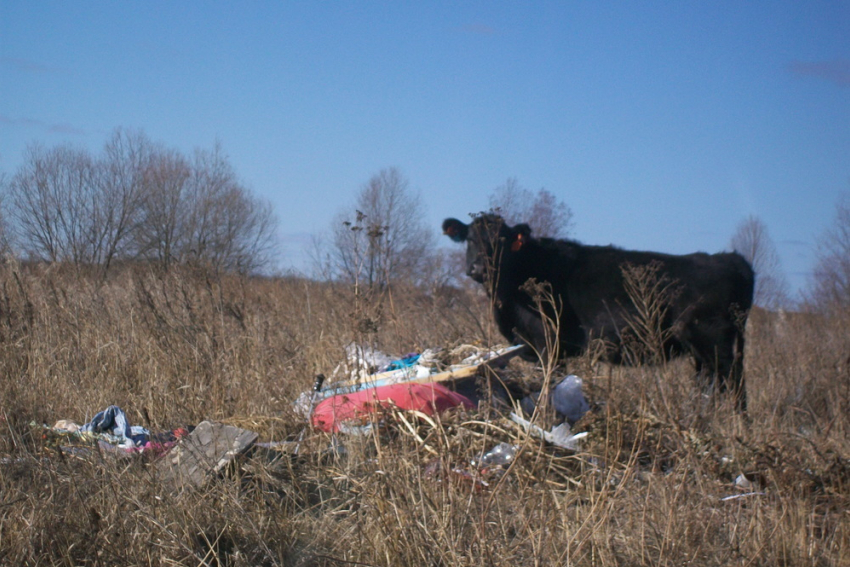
112	421
405	362
161	443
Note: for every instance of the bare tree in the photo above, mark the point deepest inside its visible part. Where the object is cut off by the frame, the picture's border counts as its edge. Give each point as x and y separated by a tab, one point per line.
5	237
160	231
386	239
137	200
543	212
830	285
126	158
197	212
753	242
53	198
67	206
226	228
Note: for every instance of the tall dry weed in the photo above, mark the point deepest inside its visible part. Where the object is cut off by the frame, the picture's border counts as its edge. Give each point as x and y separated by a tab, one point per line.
649	487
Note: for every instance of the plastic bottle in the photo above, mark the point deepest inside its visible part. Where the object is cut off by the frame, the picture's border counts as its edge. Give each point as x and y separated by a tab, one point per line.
499	456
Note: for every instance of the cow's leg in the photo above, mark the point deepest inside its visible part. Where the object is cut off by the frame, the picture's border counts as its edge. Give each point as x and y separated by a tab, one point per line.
522	325
703	376
736	373
723	366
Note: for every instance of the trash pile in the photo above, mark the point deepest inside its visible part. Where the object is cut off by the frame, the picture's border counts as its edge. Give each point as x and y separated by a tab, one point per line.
437	403
368	389
366	368
371	382
110	431
183	456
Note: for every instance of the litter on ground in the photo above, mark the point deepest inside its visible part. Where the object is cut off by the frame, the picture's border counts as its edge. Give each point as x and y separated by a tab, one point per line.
368	390
205	452
358	406
424	368
111	432
560	435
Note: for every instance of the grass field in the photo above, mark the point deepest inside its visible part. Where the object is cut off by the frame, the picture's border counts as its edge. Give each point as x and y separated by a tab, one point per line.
650	486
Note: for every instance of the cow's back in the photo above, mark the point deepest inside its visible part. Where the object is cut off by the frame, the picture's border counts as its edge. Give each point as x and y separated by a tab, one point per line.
589	286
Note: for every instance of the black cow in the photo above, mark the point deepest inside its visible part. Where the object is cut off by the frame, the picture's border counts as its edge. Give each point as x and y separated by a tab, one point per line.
707	297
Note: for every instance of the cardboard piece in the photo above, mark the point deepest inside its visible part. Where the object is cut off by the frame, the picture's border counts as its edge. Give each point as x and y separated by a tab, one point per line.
204	453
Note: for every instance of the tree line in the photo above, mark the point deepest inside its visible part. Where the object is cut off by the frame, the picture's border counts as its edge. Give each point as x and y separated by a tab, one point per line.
135	200
139	200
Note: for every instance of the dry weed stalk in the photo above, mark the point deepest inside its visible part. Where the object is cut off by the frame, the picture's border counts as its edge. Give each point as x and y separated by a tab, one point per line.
648	328
651	294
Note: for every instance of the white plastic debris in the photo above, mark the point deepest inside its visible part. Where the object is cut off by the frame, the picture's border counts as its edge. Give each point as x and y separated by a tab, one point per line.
568	399
361	361
744	483
303	405
499	456
560	435
430	356
746	495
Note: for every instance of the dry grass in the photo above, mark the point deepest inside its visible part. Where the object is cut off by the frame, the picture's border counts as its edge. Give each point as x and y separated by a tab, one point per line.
174	350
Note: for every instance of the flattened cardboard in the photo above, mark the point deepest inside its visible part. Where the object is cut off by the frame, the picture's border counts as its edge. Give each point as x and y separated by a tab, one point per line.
204	453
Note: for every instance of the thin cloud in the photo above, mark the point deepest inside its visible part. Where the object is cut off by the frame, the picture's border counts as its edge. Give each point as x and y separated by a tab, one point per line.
6	120
294	252
479	29
49	127
796	243
26	65
837	71
65	128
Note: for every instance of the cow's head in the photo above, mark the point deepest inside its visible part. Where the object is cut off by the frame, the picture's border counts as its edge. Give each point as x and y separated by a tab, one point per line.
488	240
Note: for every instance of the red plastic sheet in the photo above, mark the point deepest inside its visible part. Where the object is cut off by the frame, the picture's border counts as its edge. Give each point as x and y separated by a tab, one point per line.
359	406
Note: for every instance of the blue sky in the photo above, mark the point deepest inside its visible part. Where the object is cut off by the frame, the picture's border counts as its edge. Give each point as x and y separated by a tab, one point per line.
661	124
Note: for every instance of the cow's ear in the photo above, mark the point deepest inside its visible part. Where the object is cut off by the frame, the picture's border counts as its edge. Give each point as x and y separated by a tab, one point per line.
455	230
521	234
